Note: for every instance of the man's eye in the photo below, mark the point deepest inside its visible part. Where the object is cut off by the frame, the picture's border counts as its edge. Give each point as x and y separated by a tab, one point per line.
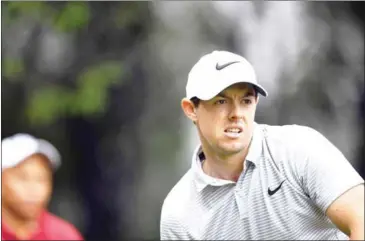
247	101
219	102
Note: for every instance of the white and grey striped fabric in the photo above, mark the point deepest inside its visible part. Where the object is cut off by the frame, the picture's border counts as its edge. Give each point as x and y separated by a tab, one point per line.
311	171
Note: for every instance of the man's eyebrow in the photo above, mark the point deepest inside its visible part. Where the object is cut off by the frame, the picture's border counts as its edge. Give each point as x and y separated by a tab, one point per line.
250	93
222	95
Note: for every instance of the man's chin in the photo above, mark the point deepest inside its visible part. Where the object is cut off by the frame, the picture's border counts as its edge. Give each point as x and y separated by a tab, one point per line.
232	149
31	214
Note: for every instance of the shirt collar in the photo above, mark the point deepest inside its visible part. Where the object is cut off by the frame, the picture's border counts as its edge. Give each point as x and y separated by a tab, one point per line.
201	179
254	156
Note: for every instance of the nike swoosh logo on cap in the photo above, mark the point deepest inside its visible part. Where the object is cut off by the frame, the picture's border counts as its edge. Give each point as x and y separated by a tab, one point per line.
220	67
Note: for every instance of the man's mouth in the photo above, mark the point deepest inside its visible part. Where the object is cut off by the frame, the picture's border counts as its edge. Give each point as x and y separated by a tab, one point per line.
233	130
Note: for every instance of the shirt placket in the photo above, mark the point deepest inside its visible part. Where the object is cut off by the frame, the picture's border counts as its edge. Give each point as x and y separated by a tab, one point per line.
241	190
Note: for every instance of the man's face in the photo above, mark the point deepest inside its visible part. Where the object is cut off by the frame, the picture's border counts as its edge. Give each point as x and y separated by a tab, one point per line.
225	123
26	188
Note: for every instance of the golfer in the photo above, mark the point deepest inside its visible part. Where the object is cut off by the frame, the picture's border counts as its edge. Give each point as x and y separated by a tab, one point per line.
27	169
251	181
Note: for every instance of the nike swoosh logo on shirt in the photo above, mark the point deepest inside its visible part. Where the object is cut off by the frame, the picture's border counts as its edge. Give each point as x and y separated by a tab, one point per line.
272	192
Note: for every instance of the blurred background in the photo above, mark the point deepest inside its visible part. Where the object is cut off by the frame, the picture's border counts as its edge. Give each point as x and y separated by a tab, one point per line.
103	82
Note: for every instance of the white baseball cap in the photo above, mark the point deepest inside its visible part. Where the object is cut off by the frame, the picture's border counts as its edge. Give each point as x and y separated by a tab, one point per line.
19	147
218	70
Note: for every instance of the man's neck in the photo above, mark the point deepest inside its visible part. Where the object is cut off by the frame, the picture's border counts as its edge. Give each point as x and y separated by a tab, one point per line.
224	167
22	228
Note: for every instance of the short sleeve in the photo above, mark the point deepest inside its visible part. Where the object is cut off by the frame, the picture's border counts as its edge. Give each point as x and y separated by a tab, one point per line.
327	174
170	227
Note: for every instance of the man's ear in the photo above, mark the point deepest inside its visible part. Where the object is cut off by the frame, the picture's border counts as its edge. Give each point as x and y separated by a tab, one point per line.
189	109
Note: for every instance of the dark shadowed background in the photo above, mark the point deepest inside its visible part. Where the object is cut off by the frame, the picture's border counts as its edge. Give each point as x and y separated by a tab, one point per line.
103	82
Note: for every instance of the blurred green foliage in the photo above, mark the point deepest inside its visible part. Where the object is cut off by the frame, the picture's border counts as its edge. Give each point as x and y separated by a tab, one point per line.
90	97
93	84
13	10
12	68
54	101
74	16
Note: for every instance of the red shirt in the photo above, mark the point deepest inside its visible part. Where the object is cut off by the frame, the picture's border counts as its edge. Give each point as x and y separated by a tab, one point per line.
50	227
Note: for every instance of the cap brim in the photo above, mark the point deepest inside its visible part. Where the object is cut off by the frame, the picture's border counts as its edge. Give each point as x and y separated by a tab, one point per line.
210	93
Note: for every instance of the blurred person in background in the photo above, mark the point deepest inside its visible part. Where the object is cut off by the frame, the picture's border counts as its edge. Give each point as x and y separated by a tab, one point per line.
255	181
27	173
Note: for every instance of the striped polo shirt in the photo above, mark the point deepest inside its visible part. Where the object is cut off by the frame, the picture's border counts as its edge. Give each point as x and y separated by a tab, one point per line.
291	176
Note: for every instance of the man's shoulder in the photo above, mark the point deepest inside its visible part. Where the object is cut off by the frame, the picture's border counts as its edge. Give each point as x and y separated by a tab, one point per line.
289	134
59	228
286	142
179	196
287	130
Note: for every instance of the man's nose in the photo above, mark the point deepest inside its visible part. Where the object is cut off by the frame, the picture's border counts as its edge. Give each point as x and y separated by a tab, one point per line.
35	191
237	112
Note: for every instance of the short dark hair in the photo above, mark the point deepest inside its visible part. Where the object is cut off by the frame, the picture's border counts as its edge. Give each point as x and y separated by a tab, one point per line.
195	101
